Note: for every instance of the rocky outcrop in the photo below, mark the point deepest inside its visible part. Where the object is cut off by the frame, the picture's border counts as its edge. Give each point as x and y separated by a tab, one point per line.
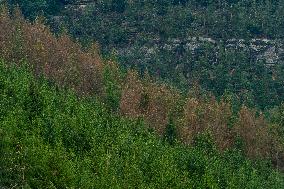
270	51
78	5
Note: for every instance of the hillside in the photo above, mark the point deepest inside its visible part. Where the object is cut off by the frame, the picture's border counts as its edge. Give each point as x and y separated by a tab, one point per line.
73	115
221	45
52	138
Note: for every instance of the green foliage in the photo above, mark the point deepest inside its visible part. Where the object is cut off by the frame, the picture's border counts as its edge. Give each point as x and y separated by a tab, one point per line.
112	78
276	116
251	81
33	8
171	132
50	138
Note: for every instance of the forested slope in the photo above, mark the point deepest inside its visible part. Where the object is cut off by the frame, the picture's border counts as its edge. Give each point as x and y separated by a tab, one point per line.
50	138
70	118
223	46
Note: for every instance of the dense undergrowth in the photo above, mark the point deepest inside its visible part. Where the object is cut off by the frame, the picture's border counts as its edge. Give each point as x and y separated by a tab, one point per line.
51	138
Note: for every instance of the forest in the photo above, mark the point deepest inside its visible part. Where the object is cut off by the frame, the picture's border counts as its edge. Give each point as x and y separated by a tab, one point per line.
142	94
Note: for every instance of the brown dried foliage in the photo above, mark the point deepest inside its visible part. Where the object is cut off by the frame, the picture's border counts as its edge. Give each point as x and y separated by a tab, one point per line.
255	131
159	103
156	103
148	100
201	116
131	96
59	59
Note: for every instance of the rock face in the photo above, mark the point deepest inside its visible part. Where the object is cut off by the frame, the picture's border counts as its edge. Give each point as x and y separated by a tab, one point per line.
79	2
78	5
270	51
